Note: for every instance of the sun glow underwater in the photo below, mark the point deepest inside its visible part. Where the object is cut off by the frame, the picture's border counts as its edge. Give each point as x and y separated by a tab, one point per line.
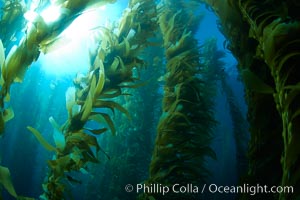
69	53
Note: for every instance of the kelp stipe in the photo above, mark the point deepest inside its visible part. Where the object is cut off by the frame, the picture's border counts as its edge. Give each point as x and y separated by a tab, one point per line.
19	58
39	34
129	149
214	71
114	66
277	31
185	127
265	144
76	144
272	31
239	130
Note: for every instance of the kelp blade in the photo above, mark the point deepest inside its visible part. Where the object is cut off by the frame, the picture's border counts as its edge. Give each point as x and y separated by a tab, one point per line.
2	54
5	180
254	83
40	138
8	114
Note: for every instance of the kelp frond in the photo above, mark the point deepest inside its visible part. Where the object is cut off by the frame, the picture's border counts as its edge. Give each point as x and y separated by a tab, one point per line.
112	68
6	182
184	129
40	138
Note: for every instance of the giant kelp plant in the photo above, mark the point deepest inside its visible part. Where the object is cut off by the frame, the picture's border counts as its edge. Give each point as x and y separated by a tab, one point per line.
185	126
39	33
20	57
12	20
264	37
129	150
277	31
115	65
215	71
117	51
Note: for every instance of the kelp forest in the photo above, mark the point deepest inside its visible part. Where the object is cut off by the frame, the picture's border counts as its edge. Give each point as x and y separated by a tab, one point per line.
138	99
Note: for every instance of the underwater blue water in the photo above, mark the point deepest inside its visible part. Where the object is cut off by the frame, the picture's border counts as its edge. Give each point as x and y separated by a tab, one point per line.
224	168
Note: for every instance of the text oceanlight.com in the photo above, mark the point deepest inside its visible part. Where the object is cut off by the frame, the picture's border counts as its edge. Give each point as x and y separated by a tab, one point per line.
211	188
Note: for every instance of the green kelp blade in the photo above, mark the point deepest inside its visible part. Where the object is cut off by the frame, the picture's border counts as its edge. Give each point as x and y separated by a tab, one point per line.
292	151
54	124
101	80
127	47
8	114
112	105
254	83
296	114
24	198
291	95
111	93
5	180
115	64
109	122
95	117
293	87
2	54
96	131
88	104
59	139
76	155
60	165
58	136
103	118
2	124
54	44
42	140
82	137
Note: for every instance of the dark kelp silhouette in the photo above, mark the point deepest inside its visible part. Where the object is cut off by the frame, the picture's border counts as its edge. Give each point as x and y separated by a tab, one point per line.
269	47
215	72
